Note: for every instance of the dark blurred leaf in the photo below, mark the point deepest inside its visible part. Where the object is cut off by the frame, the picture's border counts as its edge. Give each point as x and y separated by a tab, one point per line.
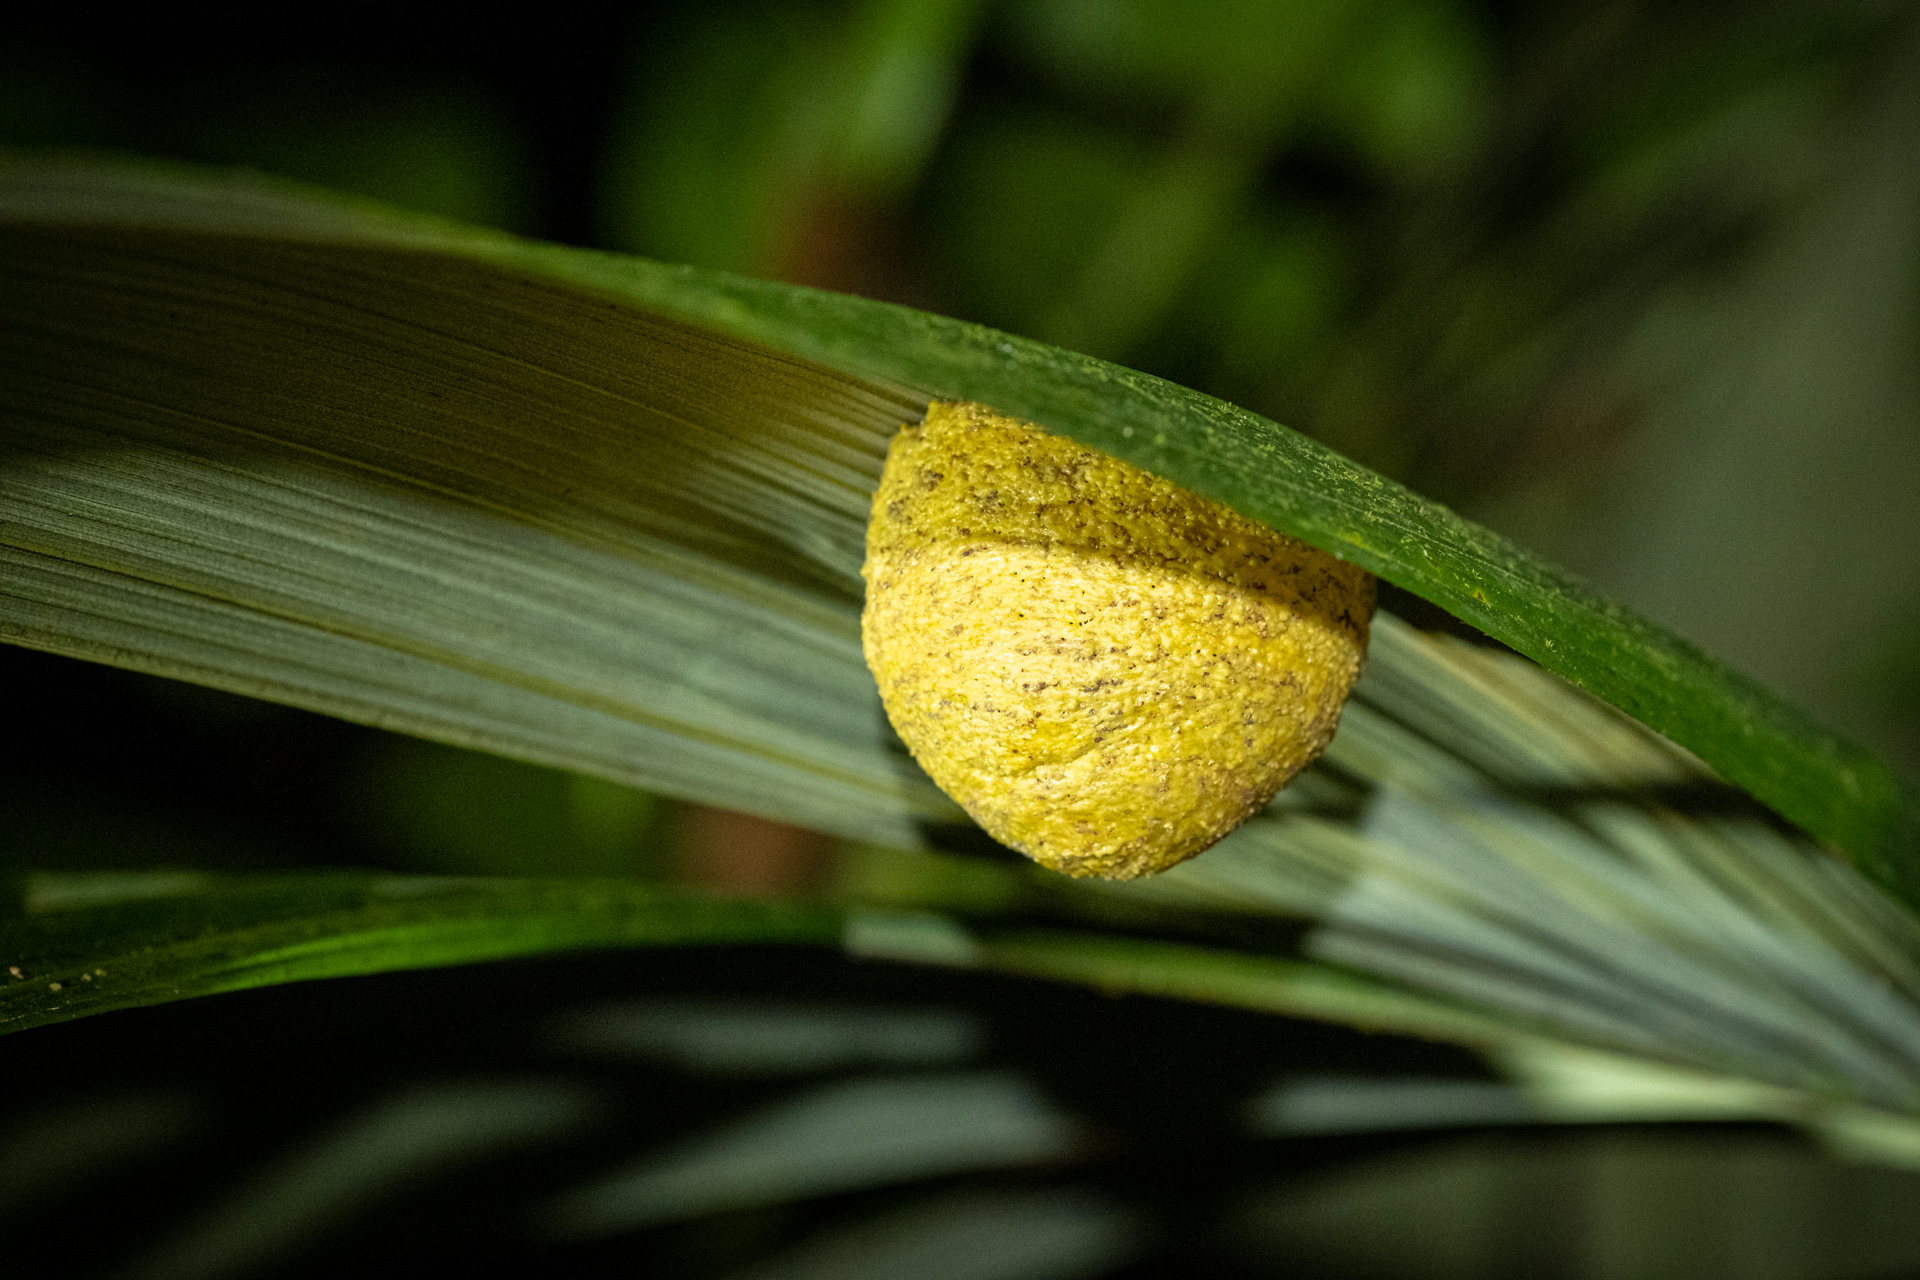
85	943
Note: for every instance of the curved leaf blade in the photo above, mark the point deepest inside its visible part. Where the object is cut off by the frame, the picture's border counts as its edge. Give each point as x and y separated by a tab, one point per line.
1779	754
1755	739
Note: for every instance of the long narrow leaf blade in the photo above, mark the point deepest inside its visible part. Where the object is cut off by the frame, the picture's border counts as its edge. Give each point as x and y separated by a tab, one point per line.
1829	787
80	944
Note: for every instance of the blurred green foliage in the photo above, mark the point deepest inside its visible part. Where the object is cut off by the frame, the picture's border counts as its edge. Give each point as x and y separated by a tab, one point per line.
737	116
436	145
440	144
437	808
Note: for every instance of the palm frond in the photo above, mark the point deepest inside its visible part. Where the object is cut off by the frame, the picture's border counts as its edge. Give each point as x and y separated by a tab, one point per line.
607	514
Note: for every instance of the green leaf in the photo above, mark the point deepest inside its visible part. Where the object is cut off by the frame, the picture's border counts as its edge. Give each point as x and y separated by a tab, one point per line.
1830	787
89	942
607	514
417	491
415	322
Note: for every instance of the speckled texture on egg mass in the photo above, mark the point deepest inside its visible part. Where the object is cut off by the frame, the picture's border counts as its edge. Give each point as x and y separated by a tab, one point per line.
1108	672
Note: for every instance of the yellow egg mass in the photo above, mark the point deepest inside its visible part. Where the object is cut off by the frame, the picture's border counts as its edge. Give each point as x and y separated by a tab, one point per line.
1108	672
